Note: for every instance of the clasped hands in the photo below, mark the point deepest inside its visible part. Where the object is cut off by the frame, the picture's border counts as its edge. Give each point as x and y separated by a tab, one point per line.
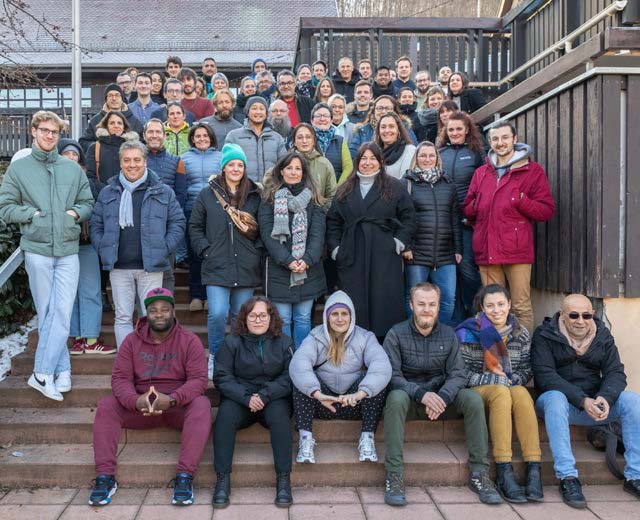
153	402
597	409
434	405
345	399
298	266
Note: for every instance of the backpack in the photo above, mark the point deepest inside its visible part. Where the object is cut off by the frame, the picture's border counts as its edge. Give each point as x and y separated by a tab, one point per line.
608	438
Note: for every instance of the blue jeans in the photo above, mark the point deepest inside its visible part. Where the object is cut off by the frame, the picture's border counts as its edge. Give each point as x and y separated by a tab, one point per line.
444	277
469	281
53	282
558	414
220	300
301	315
87	309
196	289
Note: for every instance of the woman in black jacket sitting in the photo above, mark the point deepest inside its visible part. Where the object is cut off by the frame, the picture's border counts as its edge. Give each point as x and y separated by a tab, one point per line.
252	376
468	99
437	244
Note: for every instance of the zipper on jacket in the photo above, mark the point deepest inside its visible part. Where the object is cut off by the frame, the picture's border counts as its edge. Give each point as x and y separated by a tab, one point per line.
435	205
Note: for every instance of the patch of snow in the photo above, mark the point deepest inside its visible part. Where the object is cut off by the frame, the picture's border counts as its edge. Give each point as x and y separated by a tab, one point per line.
13	345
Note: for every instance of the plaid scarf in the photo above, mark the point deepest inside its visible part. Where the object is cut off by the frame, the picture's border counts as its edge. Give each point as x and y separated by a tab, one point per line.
283	203
479	329
430	175
324	138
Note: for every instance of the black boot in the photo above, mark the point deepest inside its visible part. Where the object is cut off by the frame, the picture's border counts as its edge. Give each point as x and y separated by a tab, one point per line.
283	490
507	485
222	490
533	488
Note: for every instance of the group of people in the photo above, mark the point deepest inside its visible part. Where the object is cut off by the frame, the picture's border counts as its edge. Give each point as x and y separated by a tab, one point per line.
379	194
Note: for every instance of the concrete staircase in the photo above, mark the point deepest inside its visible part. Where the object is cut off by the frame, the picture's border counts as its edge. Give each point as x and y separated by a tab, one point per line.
54	439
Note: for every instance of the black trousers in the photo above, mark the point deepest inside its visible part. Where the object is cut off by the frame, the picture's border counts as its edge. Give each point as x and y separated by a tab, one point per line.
232	416
369	410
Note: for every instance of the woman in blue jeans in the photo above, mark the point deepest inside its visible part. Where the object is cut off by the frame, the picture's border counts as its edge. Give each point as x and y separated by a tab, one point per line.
230	256
292	227
436	248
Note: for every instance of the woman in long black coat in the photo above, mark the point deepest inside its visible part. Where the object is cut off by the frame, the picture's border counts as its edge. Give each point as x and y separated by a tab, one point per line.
370	223
292	228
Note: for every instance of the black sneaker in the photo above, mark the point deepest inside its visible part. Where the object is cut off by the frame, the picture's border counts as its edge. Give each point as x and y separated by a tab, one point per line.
182	489
394	490
104	487
483	486
571	491
632	486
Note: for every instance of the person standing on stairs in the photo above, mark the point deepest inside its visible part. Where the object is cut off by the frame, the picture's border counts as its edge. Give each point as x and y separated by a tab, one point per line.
136	225
252	375
159	378
230	255
49	196
496	351
339	372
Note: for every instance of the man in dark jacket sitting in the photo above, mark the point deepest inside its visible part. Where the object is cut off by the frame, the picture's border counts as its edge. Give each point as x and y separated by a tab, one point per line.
428	380
578	371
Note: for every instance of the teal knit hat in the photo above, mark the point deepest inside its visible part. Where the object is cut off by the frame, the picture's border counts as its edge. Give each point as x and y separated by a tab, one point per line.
231	152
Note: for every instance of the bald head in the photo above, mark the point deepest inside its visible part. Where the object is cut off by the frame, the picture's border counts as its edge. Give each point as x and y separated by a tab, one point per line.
578	306
575	301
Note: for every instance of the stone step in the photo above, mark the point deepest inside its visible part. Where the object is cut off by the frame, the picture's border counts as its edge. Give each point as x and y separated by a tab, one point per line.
73	425
146	465
87	391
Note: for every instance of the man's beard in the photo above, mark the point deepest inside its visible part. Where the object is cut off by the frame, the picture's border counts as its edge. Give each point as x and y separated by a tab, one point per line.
169	323
223	115
422	91
281	125
425	322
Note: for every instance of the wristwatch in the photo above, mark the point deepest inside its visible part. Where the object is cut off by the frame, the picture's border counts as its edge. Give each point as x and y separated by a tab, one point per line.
172	402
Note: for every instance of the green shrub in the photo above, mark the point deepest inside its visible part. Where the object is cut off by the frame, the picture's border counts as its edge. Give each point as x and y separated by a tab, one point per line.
16	306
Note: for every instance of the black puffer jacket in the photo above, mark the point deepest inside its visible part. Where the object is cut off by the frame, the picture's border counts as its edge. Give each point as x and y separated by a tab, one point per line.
347	89
439	230
249	364
238	109
229	259
460	163
422	364
108	159
556	366
278	273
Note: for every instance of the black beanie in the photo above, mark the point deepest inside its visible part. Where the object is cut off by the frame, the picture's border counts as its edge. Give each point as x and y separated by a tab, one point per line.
113	86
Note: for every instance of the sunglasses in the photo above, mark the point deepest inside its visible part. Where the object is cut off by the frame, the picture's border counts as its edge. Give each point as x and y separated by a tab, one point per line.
585	315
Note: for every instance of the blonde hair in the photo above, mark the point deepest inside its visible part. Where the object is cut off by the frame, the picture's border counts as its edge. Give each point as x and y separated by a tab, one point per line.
44	115
335	354
426	144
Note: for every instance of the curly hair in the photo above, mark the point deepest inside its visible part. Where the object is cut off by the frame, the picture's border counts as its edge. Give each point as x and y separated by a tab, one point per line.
275	321
473	138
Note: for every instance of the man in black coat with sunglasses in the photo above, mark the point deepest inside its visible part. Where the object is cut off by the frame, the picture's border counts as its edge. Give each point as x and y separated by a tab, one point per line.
578	372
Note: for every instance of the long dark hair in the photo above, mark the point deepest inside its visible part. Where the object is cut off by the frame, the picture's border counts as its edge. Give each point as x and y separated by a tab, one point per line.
493	288
473	139
403	135
465	83
383	182
104	122
275	324
449	105
313	133
316	97
275	181
245	186
208	129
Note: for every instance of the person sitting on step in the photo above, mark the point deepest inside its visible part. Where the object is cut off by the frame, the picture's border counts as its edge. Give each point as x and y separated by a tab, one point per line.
159	378
578	372
496	351
339	372
251	372
428	383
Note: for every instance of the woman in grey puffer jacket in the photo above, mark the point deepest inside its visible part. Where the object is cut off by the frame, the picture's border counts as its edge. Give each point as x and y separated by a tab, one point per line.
340	371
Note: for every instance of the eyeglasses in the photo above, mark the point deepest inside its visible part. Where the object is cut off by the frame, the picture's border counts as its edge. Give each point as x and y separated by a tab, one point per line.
174	91
46	131
321	116
124	82
255	317
427	156
286	83
380	109
585	315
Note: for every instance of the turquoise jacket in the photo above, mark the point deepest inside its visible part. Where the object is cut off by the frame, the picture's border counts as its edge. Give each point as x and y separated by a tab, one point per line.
51	184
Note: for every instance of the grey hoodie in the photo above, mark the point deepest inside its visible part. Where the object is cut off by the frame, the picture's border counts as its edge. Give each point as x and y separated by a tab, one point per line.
363	355
521	151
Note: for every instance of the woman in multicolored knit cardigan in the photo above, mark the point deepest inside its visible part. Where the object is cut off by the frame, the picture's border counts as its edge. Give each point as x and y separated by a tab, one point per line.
496	352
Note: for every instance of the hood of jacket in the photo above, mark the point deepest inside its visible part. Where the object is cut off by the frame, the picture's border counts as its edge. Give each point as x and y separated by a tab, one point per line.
184	127
123	108
428	116
104	135
521	155
337	297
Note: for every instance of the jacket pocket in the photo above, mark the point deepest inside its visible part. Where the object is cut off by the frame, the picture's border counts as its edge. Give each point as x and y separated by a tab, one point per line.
71	229
39	229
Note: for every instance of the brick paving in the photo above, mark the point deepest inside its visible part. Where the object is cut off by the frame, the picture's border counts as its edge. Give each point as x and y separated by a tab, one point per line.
318	503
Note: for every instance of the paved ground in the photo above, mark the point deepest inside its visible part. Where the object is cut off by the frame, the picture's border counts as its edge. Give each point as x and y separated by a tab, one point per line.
431	503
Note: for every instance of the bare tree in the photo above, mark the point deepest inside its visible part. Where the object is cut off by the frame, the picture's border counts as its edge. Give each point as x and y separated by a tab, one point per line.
411	8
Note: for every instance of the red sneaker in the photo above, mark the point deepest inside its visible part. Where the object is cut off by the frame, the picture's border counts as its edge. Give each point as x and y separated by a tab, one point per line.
78	347
99	348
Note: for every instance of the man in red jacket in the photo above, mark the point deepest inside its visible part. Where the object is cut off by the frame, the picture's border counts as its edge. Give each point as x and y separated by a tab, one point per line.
158	380
508	194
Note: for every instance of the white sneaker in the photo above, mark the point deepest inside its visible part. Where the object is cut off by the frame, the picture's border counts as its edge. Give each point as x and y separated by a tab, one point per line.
210	368
63	381
367	449
305	450
44	384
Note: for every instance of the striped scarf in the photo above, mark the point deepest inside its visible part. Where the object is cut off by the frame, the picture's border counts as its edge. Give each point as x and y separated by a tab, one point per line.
283	203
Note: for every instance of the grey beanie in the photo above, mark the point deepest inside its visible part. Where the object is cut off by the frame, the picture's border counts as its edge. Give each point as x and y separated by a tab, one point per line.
255	99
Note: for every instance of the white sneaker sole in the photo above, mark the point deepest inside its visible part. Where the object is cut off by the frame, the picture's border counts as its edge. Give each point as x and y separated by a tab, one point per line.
44	392
371	458
305	460
108	499
63	389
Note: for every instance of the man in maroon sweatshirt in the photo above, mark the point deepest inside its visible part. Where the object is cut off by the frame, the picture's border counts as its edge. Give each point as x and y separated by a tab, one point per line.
159	378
